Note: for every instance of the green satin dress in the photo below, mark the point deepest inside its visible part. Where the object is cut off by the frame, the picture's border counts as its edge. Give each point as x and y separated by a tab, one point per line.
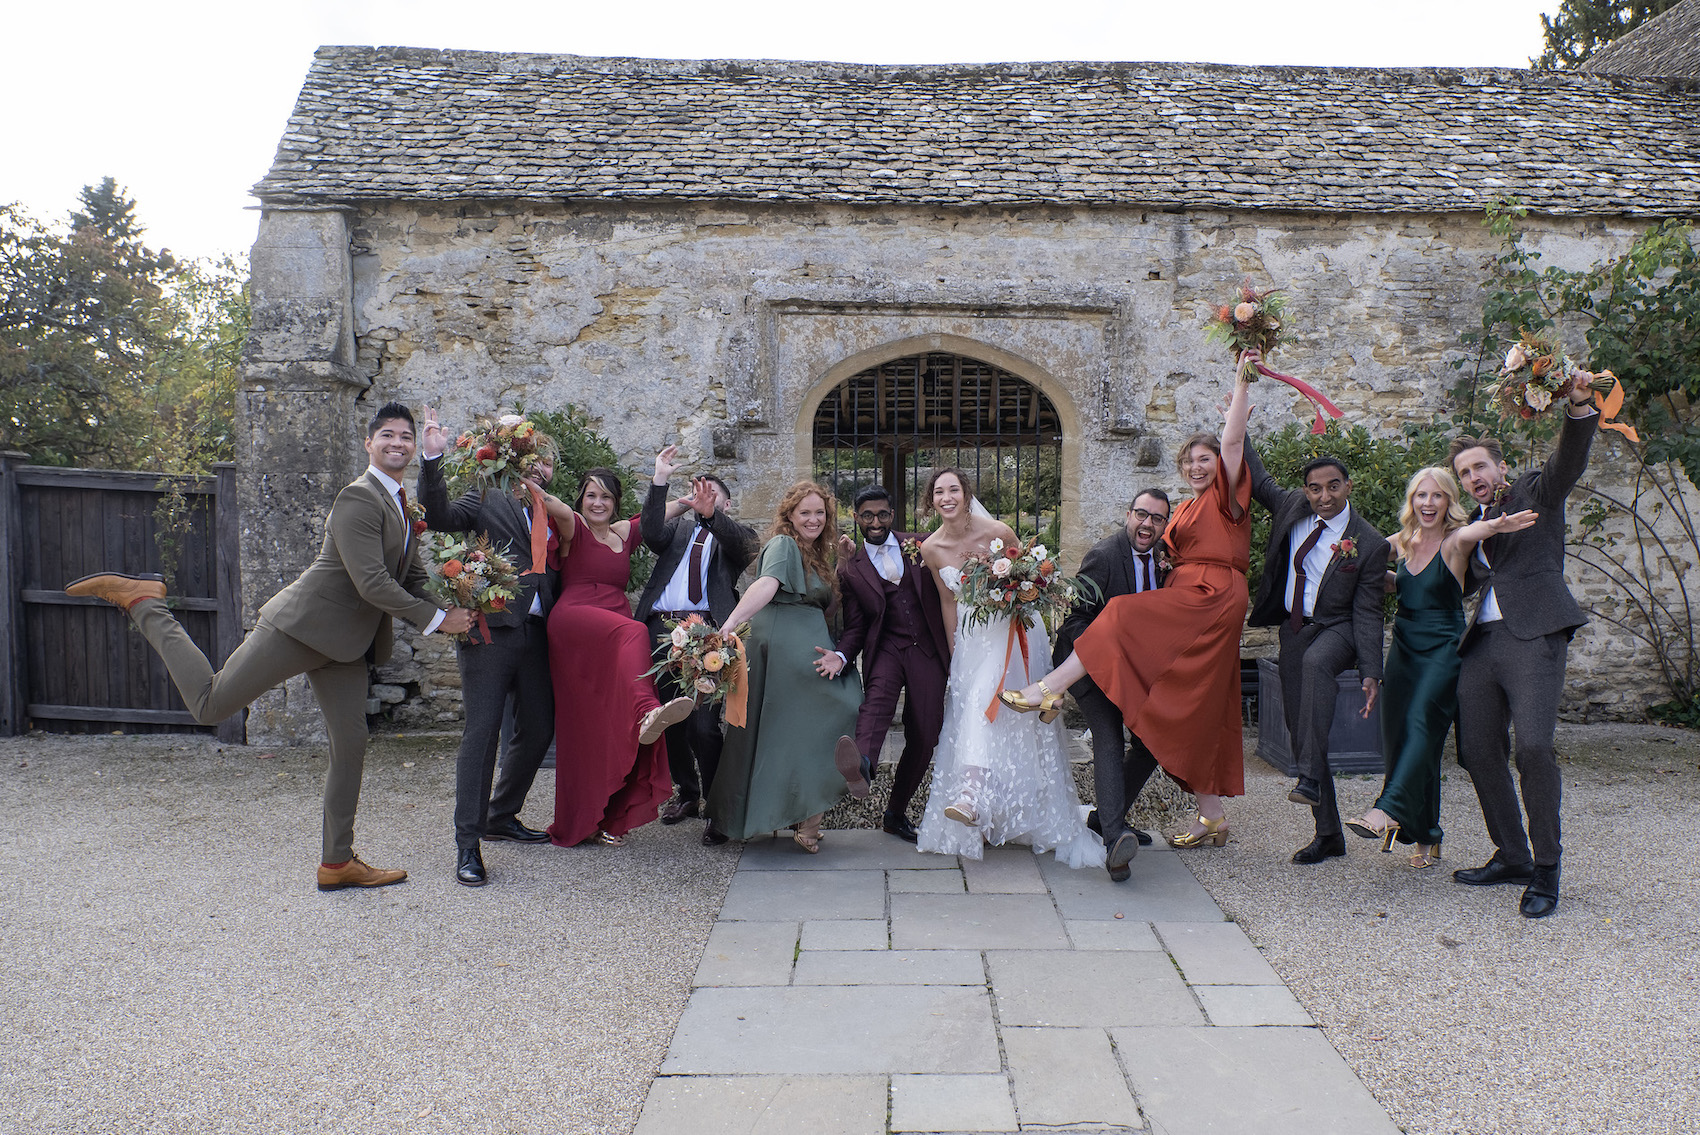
1419	697
777	770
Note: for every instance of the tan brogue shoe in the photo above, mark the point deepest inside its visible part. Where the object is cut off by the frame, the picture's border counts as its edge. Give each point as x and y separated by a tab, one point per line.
122	591
357	874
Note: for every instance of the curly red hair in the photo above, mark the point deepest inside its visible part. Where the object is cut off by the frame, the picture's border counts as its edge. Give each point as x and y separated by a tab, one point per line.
820	555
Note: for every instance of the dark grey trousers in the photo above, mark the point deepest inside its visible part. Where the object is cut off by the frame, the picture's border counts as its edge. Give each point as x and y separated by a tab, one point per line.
1515	682
1119	771
1311	662
515	661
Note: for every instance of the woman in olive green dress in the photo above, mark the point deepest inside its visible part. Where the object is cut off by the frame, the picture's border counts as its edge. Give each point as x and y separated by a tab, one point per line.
1419	695
782	768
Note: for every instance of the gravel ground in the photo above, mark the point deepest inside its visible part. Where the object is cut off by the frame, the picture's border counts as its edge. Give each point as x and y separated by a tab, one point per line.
1458	1014
172	967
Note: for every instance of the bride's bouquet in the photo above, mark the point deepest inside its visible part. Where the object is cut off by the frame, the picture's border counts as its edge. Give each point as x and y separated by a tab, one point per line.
1020	583
703	658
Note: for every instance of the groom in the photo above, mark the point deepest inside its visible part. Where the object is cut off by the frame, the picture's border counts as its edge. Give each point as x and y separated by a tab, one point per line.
892	618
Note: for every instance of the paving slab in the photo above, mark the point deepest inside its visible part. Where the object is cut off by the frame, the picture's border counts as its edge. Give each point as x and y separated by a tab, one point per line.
1251	1005
975	922
910	881
778	896
845	934
1284	1081
765	1105
1111	934
1215	953
951	1103
1066	1077
889	967
1160	890
1089	988
823	1029
748	953
1005	871
841	850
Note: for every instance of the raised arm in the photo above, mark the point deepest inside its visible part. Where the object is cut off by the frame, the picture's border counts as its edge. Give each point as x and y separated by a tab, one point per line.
1460	542
1570	456
756	596
1233	438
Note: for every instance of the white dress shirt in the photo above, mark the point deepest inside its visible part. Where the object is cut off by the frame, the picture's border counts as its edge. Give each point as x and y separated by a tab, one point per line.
676	596
1489	611
394	487
887	558
1317	562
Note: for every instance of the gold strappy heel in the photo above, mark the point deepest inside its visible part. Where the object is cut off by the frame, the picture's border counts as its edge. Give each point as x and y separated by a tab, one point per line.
1426	855
1385	834
1048	705
1215	834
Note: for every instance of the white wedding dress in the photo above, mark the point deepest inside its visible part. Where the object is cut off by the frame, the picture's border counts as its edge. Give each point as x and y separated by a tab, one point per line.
1014	771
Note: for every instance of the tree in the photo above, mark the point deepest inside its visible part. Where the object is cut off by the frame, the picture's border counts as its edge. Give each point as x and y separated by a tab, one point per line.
1582	27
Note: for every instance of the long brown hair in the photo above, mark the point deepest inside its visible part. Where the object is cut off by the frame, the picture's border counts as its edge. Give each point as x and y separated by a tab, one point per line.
924	506
821	554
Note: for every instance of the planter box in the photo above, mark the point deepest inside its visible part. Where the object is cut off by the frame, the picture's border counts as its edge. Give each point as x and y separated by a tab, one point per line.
1354	744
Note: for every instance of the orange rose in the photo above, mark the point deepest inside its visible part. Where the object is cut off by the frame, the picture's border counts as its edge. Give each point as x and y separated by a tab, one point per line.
1540	366
452	569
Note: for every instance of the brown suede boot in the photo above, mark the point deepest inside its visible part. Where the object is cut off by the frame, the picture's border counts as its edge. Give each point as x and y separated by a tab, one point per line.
122	591
357	874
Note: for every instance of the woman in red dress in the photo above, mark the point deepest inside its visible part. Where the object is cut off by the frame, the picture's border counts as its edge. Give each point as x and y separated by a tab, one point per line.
611	775
1170	658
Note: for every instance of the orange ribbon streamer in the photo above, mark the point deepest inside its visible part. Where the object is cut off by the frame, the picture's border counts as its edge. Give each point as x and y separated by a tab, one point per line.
1609	404
1017	633
737	701
539	530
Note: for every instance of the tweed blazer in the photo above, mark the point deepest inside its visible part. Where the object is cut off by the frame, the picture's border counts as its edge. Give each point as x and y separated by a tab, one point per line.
502	519
735	545
863	591
1527	572
1351	588
1110	565
366	574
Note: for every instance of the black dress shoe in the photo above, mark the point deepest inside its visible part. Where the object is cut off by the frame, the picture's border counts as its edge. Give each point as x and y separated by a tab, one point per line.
897	824
512	831
1144	838
711	837
1092	823
1121	853
1306	792
1496	871
679	810
1540	898
1320	848
469	867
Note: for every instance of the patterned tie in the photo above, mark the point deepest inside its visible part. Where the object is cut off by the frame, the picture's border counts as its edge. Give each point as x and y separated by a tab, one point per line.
1297	618
697	541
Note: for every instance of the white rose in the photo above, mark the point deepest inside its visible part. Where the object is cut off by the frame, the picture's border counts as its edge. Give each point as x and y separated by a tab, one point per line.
1538	398
1000	567
509	420
679	636
997	546
705	685
1515	358
1039	553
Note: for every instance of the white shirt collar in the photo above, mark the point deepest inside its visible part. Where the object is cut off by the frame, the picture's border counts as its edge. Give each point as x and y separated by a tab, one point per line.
385	479
890	541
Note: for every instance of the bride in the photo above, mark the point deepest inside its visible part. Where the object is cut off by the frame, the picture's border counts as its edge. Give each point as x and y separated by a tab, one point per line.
1002	781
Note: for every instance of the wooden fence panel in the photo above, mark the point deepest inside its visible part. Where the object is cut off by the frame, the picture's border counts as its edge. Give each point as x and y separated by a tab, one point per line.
77	665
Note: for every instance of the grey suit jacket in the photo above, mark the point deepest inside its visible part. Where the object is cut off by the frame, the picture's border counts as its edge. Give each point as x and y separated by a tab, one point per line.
1527	572
502	519
1351	587
1109	564
735	545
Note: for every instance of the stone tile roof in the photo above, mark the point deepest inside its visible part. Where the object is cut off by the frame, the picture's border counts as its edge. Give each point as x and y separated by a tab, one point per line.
1668	45
406	123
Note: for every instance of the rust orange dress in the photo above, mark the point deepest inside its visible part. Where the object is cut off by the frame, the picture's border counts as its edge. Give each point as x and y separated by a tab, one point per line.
1170	658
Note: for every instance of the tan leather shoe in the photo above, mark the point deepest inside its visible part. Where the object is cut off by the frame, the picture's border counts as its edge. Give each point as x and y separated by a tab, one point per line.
122	591
357	874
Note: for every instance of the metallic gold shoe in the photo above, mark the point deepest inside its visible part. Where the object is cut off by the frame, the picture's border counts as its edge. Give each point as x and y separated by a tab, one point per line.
1426	855
1369	831
1215	834
1048	705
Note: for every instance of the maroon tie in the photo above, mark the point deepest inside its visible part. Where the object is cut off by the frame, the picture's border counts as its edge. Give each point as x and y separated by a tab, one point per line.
697	542
1297	618
1146	583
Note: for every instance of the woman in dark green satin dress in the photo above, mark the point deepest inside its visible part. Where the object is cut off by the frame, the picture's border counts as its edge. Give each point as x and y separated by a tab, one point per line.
1419	695
783	767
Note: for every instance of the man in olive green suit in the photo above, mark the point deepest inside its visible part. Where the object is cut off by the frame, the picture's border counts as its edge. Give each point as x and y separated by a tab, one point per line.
329	625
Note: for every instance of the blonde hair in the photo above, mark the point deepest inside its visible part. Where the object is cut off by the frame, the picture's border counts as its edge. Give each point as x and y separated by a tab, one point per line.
1410	526
821	553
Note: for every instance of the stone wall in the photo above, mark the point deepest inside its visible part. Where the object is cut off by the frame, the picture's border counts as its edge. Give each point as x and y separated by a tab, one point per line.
720	328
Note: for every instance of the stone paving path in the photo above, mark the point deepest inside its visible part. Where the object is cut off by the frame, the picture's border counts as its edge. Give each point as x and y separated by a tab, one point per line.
872	989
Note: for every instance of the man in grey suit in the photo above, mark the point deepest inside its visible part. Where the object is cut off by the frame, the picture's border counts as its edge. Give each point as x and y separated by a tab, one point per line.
701	552
514	661
1125	562
1323	573
330	624
1514	653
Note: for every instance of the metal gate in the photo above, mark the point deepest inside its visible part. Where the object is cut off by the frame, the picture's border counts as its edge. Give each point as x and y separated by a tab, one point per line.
894	423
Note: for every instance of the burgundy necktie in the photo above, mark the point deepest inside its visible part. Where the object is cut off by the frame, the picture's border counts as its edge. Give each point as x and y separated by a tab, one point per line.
1297	618
1146	582
695	590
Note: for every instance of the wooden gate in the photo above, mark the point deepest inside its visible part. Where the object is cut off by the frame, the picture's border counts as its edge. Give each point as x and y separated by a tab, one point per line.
77	665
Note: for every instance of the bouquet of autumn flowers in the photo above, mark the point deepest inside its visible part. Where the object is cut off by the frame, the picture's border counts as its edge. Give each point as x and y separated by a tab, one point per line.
1537	373
1022	583
503	455
470	573
1253	322
701	657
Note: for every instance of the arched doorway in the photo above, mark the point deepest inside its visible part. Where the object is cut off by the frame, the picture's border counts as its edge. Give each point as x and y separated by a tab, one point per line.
894	422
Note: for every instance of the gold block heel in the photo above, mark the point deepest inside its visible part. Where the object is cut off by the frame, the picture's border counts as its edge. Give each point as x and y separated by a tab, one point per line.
1215	834
1048	706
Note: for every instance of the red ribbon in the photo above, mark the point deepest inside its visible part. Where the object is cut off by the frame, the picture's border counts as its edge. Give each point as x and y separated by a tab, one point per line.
483	631
1017	633
1311	393
539	529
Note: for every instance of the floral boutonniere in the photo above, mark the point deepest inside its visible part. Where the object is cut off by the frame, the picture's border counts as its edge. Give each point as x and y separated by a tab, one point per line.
416	516
1346	549
1160	557
911	550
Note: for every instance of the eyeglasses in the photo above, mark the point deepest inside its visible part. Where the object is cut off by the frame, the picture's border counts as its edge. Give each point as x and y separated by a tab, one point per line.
881	516
1157	518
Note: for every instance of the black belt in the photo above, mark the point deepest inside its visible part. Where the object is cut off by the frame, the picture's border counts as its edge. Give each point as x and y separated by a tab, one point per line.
681	615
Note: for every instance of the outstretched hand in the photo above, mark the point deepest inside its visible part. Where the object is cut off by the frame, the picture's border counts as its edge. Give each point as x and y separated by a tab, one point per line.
433	438
828	664
702	496
666	463
1512	521
846	546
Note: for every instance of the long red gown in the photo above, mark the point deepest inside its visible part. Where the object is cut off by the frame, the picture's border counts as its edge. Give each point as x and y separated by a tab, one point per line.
1170	658
604	780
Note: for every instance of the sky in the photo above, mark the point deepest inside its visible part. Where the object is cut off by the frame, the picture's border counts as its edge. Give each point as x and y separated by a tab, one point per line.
183	101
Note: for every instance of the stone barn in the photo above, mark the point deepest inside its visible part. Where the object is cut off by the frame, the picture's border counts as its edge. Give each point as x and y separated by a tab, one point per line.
792	268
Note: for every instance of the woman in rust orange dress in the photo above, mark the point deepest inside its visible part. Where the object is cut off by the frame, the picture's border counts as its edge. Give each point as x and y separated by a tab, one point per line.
1170	658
